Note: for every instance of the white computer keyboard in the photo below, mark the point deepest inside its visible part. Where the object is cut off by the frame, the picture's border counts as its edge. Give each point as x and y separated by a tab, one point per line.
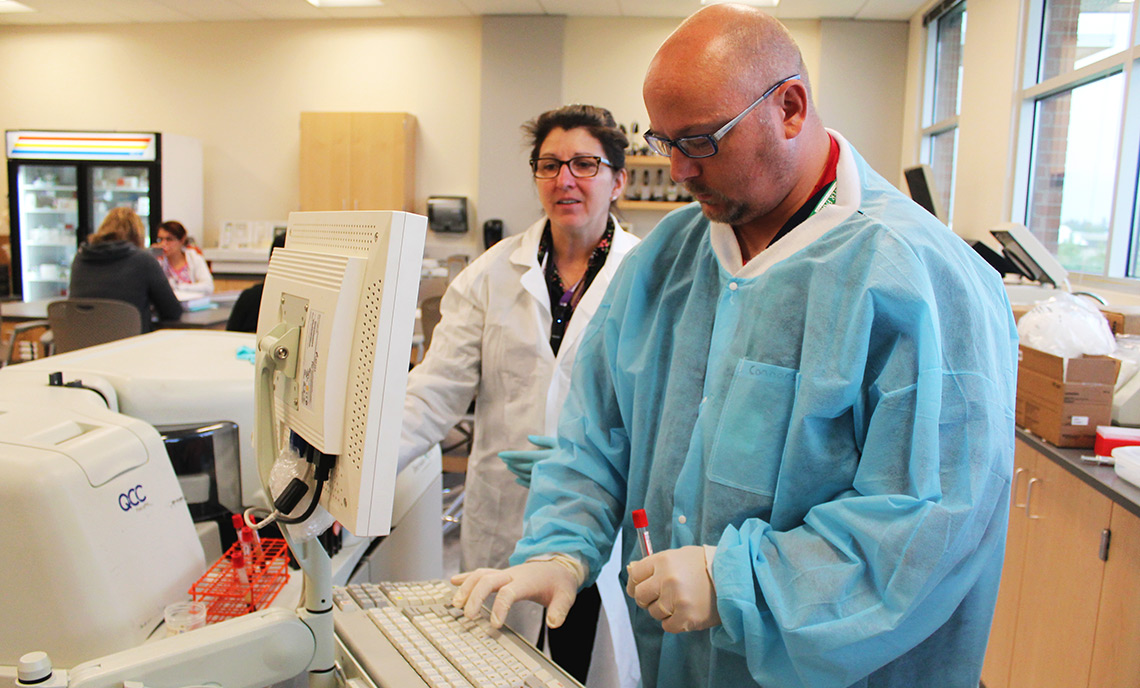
440	647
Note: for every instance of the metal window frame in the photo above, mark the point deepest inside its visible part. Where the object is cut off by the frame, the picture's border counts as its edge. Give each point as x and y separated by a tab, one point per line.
930	128
1124	222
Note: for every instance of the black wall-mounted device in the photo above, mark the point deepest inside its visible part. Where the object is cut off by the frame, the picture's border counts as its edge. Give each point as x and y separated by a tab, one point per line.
492	232
447	213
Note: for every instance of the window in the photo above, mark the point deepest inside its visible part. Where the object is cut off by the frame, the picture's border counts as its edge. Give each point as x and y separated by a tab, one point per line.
1077	177
946	34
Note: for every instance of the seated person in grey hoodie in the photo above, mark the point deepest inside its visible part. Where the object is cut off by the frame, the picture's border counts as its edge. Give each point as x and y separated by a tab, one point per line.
113	265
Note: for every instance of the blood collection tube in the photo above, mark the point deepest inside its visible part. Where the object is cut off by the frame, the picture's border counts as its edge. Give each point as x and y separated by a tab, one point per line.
245	537
237	559
641	523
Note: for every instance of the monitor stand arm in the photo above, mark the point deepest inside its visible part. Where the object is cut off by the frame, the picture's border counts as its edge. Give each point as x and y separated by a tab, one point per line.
258	649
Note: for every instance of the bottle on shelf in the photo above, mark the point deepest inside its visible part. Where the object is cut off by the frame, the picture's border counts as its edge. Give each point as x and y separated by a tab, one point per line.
672	192
632	187
658	193
646	192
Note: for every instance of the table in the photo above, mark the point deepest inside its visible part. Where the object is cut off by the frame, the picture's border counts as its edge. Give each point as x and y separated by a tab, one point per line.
213	317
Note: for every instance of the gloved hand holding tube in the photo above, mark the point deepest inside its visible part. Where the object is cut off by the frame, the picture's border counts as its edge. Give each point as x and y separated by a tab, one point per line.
552	582
521	463
675	586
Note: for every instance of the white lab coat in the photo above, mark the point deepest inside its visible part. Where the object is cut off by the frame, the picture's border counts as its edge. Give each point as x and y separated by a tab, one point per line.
493	342
201	281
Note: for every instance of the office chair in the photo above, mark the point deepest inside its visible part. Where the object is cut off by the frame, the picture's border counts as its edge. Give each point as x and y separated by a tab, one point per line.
9	348
79	323
429	318
455	265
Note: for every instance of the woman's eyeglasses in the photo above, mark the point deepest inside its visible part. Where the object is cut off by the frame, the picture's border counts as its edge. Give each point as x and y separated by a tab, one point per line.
581	166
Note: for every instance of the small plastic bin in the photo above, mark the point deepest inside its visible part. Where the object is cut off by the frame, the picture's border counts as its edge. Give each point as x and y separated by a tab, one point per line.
227	594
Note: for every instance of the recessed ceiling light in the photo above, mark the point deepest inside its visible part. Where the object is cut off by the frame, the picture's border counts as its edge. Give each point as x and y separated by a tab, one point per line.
754	3
13	6
346	3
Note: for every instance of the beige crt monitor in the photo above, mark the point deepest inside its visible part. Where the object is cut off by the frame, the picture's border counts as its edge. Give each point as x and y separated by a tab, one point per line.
348	282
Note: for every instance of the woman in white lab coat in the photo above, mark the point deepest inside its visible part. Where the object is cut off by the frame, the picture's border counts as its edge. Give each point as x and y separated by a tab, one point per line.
184	266
510	327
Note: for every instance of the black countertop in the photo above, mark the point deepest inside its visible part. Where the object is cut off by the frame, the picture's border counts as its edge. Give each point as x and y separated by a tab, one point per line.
1103	479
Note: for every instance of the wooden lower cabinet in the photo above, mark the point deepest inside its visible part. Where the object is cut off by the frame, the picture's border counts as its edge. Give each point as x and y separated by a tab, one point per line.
999	652
1056	623
1116	650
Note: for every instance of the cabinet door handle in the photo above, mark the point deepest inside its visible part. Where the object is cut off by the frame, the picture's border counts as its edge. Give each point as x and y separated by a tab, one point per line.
1029	498
355	203
344	204
1017	481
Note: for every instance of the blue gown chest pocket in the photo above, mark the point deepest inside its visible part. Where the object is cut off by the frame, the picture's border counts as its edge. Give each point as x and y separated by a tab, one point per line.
753	427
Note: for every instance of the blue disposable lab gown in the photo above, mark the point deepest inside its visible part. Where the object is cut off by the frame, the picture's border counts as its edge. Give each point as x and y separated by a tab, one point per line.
836	417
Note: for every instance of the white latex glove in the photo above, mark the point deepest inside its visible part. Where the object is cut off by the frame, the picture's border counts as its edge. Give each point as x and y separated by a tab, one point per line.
553	583
675	588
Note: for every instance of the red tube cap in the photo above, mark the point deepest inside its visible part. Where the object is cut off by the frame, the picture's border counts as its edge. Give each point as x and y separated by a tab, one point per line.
639	518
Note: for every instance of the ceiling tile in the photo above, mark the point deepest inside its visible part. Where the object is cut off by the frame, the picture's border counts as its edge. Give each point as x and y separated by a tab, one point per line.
582	8
425	8
658	8
277	9
72	12
122	11
897	10
201	10
814	9
504	6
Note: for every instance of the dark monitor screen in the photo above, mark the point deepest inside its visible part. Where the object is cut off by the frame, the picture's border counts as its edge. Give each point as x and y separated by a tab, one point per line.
920	182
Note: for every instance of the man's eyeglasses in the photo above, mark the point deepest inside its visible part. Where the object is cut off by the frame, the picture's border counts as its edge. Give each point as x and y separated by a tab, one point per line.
705	145
581	166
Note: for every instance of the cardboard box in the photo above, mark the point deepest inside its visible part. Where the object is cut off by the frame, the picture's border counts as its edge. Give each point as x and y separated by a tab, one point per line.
1064	400
1122	319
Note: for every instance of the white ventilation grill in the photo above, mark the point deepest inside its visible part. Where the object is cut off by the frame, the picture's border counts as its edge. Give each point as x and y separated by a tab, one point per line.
351	468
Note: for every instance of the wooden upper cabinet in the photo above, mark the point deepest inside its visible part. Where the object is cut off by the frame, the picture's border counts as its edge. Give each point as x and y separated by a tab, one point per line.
358	161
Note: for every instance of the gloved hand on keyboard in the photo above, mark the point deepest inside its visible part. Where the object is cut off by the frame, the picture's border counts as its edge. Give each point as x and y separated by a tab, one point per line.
676	588
521	463
551	582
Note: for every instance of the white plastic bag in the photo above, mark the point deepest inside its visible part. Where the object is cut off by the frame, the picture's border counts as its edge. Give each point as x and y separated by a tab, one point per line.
1128	353
1068	326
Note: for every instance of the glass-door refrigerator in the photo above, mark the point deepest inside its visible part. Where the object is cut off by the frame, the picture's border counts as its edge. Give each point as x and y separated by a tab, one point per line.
62	184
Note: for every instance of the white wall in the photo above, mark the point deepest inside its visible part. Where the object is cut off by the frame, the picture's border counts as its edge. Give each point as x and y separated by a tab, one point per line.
516	50
861	89
240	87
986	122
